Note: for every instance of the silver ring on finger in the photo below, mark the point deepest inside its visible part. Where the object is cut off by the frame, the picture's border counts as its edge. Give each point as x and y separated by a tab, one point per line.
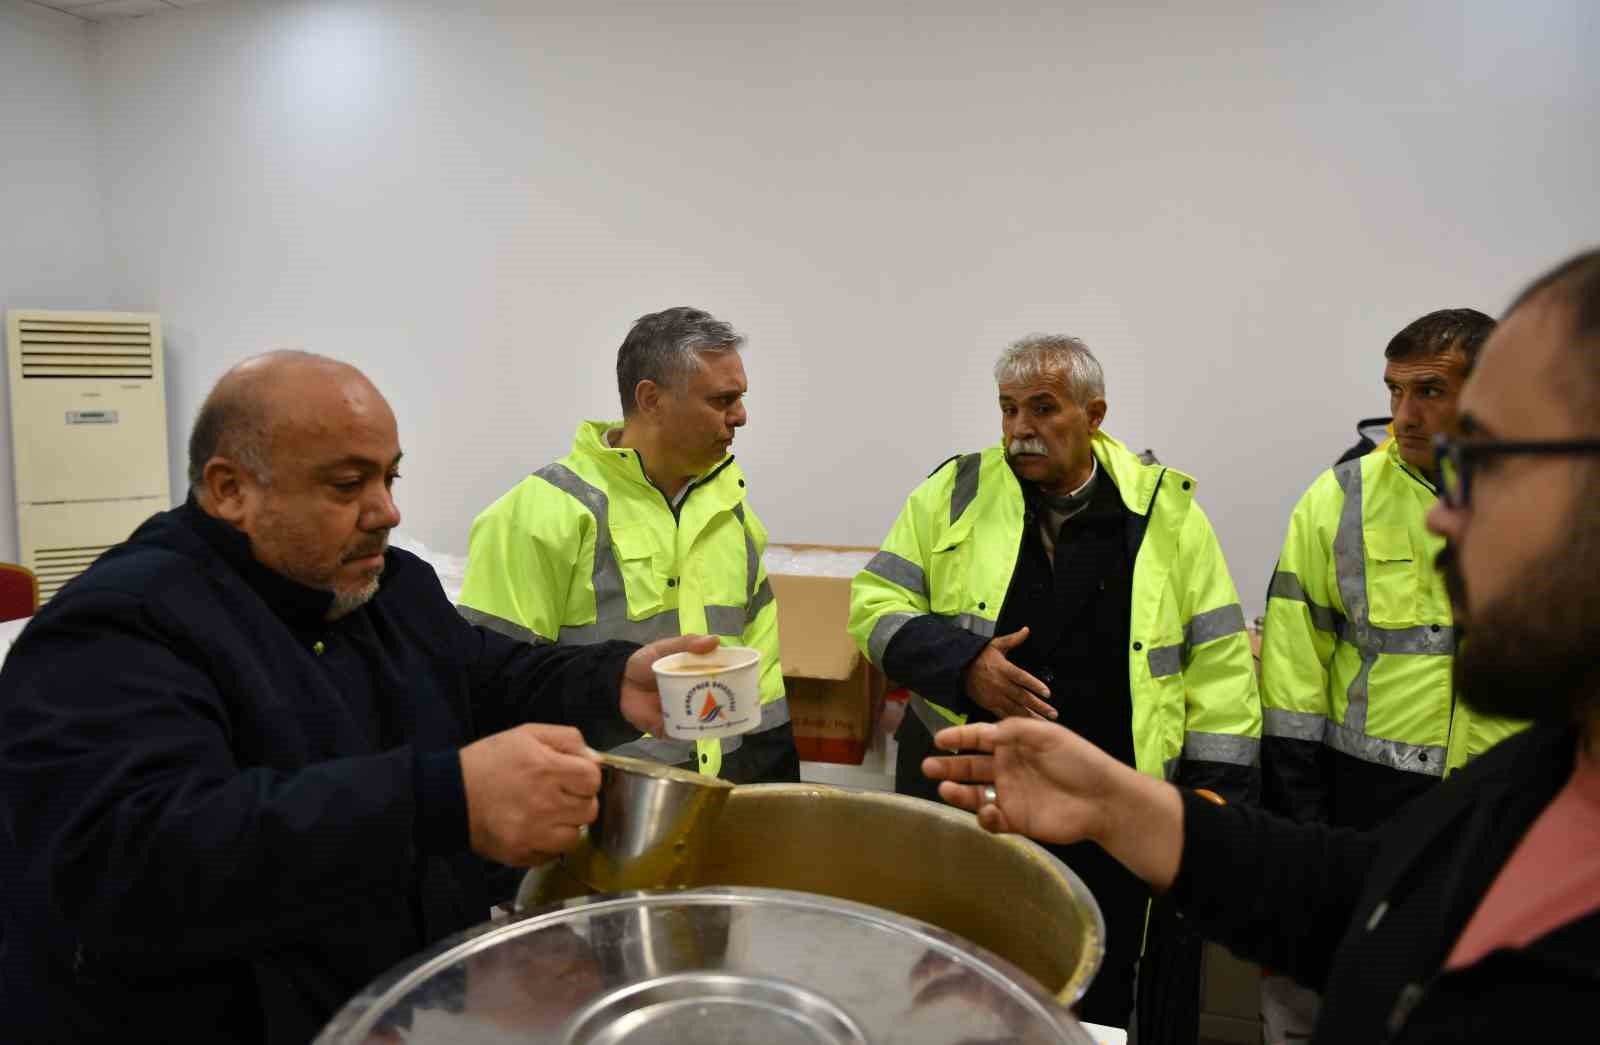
990	796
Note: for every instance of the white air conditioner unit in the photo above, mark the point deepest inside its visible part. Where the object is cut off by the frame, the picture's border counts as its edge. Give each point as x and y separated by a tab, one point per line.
88	434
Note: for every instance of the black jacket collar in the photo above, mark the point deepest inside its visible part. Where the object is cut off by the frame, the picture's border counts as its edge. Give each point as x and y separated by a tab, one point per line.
295	603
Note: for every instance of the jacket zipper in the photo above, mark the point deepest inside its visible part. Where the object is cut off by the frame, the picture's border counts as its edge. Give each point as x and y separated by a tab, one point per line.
1450	726
1431	488
1410	997
696	484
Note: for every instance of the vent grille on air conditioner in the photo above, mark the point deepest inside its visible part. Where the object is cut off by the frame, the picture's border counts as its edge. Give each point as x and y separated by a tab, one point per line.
56	566
79	348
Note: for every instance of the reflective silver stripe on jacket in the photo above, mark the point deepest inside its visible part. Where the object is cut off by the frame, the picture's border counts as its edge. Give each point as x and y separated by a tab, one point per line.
510	629
759	603
733	620
774	713
752	556
931	720
1231	748
889	624
610	596
1213	625
1371	641
971	622
897	570
1201	629
1287	585
1165	660
725	620
1411	758
884	630
663	625
1293	725
966	487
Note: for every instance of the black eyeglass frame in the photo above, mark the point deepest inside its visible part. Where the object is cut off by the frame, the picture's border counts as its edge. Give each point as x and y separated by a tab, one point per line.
1456	457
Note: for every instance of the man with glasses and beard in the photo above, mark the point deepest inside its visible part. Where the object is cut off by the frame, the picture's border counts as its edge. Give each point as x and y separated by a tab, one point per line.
1474	912
1060	576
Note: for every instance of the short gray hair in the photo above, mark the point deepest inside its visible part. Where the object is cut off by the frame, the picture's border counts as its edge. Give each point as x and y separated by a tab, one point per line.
664	347
231	427
1040	356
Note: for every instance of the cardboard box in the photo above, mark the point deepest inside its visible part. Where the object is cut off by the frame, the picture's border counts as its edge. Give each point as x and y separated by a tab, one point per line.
835	694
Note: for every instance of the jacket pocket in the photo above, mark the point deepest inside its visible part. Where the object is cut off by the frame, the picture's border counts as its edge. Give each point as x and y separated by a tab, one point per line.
646	569
948	569
720	562
1391	577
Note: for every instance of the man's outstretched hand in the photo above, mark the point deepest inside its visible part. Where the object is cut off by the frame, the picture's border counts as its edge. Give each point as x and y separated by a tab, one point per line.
1053	785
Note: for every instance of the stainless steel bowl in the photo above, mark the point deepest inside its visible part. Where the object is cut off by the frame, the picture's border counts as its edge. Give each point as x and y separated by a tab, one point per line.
915	858
708	966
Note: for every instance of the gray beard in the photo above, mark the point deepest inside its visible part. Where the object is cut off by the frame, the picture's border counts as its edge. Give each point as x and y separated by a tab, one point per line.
347	602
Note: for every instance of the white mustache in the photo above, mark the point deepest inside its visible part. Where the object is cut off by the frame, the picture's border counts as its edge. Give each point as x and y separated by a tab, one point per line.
1027	446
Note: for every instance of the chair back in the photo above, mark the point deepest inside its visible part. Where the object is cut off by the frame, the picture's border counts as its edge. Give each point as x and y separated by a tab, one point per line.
19	592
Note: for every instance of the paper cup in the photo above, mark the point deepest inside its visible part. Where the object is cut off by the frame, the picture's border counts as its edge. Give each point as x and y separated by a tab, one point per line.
709	695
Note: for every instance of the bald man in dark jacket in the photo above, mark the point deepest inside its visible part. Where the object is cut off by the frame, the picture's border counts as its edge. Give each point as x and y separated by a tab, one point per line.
252	758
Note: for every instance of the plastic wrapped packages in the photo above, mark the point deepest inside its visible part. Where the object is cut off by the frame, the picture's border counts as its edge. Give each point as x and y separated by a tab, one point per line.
779	558
9	630
452	569
816	561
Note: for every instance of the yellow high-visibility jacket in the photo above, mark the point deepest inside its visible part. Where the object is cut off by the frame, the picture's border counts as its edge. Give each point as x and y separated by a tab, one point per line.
951	554
588	549
1359	643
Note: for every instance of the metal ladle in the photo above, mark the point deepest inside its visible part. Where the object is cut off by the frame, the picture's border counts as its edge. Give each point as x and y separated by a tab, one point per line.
652	828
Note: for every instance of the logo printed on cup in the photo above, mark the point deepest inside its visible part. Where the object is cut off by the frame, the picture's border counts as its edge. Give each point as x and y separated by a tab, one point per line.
712	712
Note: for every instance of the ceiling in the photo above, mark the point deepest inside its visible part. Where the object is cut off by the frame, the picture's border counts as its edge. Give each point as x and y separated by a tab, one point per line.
111	10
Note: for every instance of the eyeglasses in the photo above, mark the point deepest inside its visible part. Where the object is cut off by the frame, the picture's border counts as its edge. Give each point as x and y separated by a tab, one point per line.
1458	457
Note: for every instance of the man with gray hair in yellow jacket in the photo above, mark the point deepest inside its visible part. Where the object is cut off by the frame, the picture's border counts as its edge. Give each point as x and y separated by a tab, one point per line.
1059	575
643	532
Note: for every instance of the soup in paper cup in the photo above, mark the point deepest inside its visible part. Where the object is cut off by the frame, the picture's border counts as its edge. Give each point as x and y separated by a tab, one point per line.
710	695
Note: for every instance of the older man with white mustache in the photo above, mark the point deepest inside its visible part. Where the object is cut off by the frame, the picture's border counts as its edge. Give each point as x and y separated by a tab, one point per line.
1060	576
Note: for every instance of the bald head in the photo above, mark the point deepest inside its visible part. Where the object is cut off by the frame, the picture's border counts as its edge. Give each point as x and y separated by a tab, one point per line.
257	400
300	453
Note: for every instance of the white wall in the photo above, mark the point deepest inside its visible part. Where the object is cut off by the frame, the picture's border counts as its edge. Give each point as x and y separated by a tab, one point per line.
1236	204
52	227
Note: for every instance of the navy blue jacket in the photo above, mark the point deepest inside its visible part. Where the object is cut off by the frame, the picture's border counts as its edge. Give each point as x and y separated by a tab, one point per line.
1369	918
221	816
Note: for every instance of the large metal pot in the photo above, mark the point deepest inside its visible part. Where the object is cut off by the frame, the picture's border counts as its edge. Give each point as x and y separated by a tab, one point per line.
916	858
708	966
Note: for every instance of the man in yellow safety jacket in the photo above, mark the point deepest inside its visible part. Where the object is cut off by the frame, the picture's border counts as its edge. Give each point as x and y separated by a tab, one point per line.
1357	684
1357	689
643	532
1060	575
